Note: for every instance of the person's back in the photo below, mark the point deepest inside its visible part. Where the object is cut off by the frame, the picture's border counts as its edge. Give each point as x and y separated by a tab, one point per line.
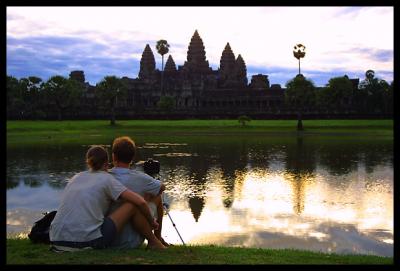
84	203
123	153
142	184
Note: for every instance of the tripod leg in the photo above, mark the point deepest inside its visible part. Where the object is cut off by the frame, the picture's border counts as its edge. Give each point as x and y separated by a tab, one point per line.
173	224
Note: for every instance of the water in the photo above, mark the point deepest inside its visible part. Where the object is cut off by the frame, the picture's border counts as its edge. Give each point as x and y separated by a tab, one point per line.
329	194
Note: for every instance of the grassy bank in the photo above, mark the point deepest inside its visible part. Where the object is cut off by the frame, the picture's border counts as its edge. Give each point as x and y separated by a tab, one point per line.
22	251
92	131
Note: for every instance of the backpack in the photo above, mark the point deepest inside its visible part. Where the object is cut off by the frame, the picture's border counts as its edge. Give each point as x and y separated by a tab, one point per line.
40	230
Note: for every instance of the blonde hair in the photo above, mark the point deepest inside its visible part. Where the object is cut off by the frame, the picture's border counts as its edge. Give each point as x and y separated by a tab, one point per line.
96	157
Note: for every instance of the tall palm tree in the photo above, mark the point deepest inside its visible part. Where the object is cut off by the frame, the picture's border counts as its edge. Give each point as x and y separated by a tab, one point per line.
299	52
162	47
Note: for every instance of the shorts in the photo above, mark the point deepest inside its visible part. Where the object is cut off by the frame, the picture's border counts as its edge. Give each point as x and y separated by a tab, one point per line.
108	231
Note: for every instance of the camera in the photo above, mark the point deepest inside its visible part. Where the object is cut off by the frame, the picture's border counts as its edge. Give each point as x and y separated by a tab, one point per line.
151	167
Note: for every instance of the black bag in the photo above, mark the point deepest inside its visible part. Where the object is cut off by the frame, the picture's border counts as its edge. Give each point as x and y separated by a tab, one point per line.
40	230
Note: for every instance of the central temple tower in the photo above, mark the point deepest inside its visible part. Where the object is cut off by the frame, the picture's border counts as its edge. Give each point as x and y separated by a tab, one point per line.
196	56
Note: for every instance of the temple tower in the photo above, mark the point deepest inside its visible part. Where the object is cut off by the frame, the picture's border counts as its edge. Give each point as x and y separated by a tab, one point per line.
170	66
196	56
147	63
227	65
241	71
77	76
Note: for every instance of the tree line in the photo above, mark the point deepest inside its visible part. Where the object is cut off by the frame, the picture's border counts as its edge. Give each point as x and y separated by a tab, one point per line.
372	95
33	98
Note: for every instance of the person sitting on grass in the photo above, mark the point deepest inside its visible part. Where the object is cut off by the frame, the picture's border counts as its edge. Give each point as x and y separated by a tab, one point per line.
123	153
81	220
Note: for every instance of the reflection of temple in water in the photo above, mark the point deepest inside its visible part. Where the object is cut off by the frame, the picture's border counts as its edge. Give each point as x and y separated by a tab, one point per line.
227	163
196	205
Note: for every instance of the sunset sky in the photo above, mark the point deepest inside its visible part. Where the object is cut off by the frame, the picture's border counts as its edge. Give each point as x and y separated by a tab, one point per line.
101	41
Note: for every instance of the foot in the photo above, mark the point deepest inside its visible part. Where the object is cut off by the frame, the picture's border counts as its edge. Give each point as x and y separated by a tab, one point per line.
164	242
155	245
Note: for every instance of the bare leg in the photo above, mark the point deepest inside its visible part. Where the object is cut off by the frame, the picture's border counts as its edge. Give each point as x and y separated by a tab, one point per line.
129	212
160	214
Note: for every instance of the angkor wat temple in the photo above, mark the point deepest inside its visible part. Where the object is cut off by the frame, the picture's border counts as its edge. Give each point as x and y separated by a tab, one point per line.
196	88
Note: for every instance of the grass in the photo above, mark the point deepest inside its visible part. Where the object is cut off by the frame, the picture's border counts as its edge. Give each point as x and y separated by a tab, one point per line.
22	251
97	131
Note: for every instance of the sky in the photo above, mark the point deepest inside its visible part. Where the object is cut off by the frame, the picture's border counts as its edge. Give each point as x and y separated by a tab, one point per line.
102	41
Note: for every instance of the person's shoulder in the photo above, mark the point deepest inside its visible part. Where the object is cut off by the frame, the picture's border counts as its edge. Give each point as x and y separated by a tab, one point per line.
79	175
140	174
103	175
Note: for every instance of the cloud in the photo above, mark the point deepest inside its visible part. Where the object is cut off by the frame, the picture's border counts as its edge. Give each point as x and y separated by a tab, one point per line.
45	56
48	56
349	12
380	55
337	38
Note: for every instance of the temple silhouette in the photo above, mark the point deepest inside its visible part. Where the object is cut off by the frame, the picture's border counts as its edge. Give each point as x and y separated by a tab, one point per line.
195	87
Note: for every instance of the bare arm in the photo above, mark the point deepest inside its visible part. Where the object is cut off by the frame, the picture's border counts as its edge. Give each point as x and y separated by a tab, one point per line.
149	196
162	188
139	201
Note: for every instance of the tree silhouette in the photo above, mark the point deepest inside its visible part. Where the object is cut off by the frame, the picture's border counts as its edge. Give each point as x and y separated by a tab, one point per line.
300	94
109	89
338	93
63	93
370	74
376	93
162	47
299	52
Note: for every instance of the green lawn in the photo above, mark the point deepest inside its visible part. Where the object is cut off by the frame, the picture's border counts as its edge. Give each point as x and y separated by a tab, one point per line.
22	251
95	131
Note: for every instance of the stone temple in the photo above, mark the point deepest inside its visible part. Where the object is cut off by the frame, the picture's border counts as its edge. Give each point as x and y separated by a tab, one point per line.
197	89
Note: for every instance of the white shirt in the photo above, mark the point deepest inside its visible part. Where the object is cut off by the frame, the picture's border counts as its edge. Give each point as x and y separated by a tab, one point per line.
84	204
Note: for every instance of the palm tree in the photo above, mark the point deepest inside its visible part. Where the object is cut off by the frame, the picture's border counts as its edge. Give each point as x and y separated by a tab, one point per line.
162	47
299	52
370	74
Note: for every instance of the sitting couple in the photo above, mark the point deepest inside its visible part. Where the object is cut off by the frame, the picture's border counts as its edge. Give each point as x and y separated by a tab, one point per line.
117	208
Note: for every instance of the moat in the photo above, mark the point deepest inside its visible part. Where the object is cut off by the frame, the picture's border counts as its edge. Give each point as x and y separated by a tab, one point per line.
311	192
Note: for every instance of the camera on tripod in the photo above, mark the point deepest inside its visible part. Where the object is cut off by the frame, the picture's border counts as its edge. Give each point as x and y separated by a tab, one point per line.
150	167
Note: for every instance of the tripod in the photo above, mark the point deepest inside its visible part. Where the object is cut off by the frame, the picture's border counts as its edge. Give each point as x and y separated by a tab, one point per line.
165	205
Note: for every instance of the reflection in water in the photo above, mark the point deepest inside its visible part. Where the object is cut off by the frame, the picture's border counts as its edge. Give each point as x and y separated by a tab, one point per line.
196	205
332	195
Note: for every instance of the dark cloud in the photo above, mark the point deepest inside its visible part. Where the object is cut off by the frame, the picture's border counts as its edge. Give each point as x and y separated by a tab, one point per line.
48	56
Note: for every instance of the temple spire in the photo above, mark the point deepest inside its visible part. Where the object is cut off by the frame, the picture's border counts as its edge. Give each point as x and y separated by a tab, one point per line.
147	63
227	64
170	65
196	56
241	71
